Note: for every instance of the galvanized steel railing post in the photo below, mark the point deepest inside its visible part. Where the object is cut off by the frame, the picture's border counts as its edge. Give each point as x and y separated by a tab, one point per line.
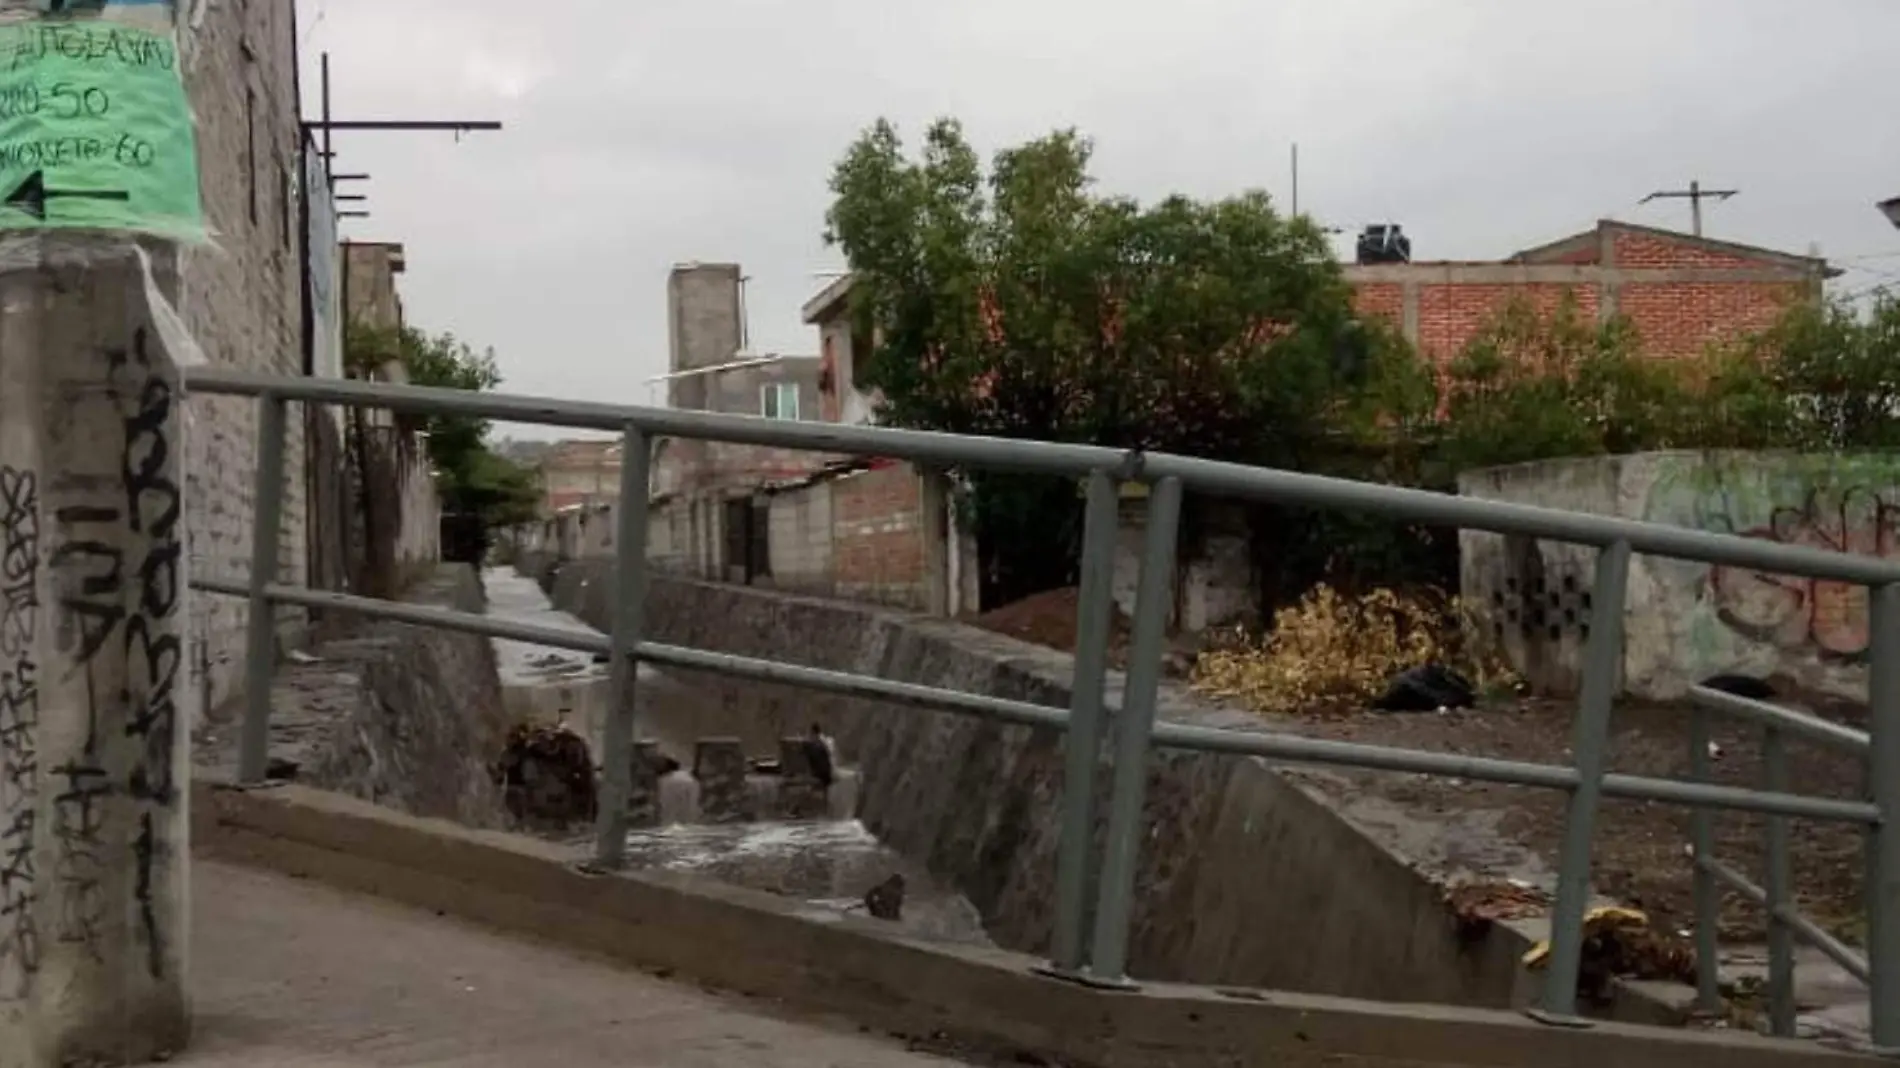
1601	669
1082	741
1883	873
629	609
260	647
1707	896
1778	891
1108	958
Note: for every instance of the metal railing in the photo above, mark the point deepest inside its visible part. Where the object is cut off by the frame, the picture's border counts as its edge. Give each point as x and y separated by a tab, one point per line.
1776	896
1098	954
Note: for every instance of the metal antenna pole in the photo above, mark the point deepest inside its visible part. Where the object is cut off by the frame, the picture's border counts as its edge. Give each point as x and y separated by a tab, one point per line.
1695	195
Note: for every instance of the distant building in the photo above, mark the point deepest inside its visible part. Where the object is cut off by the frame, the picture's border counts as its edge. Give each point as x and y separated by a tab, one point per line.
1681	292
709	371
579	472
841	349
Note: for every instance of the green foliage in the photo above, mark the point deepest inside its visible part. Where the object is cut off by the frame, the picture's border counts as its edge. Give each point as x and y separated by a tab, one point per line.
470	477
1020	302
1530	387
1836	369
1023	303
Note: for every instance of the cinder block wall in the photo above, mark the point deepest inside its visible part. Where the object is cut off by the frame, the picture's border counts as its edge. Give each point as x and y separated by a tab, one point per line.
242	300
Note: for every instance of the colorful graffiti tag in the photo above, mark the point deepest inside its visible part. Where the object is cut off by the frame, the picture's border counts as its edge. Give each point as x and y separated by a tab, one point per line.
1793	612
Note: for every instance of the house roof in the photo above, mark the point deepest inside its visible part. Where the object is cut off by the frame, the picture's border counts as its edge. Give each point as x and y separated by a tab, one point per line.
1591	239
827	303
580	453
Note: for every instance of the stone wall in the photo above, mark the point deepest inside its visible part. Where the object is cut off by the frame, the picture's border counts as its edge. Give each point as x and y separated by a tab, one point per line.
1247	876
1688	620
408	717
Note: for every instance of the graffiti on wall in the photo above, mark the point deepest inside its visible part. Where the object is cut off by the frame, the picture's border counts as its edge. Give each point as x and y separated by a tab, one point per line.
1791	611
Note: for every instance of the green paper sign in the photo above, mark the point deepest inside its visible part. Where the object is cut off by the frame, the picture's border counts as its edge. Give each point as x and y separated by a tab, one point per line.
95	130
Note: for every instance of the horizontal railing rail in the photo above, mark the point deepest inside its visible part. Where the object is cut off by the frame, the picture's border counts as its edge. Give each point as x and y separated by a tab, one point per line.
1211	477
1093	901
1775	898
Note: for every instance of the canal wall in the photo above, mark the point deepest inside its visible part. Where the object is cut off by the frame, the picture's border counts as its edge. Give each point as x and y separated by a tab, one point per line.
1247	876
404	716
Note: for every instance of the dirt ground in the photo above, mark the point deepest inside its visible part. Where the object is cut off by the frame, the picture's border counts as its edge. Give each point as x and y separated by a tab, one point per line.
1639	855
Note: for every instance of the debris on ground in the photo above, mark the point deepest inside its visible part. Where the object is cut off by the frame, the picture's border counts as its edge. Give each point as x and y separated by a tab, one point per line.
885	901
1333	654
1741	686
1048	619
547	775
1429	687
1476	906
1621	943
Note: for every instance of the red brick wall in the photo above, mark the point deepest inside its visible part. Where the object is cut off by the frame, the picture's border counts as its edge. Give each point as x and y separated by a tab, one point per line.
1675	318
1386	299
877	549
1682	319
1450	315
1648	250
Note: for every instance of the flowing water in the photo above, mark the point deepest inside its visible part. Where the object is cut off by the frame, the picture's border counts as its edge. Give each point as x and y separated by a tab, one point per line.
826	864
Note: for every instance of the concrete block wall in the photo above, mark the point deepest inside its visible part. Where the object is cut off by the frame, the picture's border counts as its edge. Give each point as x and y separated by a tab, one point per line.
880	535
1688	620
1214	581
800	539
242	301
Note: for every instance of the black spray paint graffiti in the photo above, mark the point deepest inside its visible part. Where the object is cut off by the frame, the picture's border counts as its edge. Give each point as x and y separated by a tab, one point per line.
108	604
19	727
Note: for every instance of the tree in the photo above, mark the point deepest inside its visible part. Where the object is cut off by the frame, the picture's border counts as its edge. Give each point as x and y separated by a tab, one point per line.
1836	368
1022	303
471	478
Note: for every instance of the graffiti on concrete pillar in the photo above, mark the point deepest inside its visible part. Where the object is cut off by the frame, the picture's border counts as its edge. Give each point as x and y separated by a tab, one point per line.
1792	611
19	727
154	653
128	605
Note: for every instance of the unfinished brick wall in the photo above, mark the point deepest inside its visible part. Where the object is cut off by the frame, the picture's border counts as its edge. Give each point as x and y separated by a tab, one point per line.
1682	293
878	536
861	535
1449	316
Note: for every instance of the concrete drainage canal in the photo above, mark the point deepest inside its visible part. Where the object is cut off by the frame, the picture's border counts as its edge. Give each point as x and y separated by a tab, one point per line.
708	805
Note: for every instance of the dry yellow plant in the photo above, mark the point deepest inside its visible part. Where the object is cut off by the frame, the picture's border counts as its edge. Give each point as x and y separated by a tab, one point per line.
1332	654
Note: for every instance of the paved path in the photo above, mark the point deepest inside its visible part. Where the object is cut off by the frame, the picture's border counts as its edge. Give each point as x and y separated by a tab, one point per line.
292	974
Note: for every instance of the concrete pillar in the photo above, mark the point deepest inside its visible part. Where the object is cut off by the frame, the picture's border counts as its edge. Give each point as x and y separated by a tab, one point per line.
93	672
799	795
643	792
720	766
933	522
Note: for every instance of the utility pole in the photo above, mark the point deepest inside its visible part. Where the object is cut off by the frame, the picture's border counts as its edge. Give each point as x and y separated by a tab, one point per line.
1296	179
328	125
1695	195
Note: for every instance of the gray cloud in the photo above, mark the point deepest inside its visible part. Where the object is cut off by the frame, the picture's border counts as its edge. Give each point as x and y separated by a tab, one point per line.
644	134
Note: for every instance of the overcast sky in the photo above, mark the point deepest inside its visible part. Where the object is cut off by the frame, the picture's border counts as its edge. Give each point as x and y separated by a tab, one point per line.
640	134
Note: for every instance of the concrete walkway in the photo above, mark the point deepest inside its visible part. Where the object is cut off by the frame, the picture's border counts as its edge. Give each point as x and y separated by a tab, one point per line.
292	974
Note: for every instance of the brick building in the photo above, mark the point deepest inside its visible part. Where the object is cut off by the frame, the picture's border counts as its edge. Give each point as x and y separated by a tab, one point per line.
1680	291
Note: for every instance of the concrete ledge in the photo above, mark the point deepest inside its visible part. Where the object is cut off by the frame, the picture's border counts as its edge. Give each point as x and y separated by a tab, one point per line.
762	945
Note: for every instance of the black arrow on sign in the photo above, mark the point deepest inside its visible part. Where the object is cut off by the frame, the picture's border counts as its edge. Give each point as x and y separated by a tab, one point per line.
31	195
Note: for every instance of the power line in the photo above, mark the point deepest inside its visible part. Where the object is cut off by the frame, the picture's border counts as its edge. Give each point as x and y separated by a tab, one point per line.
1695	195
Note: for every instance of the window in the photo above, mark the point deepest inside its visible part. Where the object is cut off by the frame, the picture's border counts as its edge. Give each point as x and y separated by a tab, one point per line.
779	400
